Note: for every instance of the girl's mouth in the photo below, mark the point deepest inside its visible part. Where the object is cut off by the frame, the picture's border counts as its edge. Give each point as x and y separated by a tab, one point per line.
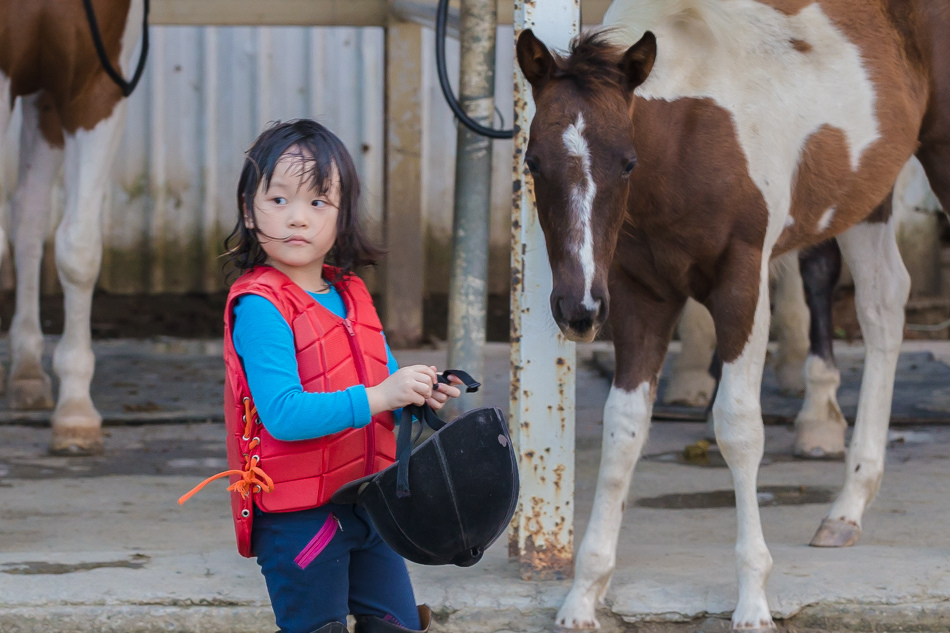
295	239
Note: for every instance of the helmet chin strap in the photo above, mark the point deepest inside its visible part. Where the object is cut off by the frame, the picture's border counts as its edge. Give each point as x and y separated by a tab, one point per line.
426	416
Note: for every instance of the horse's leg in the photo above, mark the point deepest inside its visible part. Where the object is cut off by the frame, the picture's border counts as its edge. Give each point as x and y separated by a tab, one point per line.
77	426
881	287
820	425
790	323
6	111
935	157
6	103
40	161
737	413
690	381
642	328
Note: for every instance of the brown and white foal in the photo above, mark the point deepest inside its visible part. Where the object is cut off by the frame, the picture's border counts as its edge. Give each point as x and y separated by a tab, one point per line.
71	110
731	132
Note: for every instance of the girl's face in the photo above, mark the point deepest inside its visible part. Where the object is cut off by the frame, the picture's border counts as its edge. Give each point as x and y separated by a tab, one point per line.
296	224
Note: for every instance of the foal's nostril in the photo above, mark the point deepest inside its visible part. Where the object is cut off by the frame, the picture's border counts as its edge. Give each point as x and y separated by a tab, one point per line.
581	325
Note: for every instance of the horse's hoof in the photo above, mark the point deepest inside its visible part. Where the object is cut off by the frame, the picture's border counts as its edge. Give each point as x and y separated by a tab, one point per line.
30	394
836	533
791	378
818	453
77	429
690	389
78	441
820	438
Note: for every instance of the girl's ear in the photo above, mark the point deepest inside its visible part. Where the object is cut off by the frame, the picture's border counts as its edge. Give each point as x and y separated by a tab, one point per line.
248	220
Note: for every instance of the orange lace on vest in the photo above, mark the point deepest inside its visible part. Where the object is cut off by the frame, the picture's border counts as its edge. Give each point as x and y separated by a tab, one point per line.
251	476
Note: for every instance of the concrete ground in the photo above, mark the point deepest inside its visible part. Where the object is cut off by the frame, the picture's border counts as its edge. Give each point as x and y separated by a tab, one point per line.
100	544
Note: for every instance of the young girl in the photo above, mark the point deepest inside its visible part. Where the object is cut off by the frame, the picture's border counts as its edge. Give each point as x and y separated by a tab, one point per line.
311	389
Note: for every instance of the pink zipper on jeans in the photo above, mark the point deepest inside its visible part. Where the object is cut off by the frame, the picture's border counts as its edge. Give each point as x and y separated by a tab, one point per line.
318	543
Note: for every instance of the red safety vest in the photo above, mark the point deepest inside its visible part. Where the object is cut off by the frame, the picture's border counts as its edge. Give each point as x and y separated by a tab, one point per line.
332	354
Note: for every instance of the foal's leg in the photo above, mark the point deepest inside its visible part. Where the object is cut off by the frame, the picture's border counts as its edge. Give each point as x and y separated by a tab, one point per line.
690	382
790	322
40	161
820	425
89	154
881	287
740	435
642	328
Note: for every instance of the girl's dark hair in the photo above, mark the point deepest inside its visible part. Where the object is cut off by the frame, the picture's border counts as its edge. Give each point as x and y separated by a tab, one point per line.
319	150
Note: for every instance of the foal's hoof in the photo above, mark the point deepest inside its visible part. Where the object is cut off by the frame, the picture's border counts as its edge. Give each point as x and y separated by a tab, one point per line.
30	394
836	533
577	613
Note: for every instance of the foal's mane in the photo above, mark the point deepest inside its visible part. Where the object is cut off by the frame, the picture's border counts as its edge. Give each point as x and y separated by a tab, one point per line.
592	62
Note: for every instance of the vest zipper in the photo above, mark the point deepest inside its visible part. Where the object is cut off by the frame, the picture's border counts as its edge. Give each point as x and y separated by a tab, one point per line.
361	374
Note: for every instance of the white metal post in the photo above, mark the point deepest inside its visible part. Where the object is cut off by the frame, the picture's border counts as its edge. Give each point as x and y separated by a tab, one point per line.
542	360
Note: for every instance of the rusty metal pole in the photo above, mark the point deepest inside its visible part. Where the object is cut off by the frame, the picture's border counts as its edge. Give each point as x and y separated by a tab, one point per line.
468	283
542	361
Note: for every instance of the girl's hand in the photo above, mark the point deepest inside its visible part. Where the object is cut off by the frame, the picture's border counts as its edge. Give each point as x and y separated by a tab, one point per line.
409	385
441	393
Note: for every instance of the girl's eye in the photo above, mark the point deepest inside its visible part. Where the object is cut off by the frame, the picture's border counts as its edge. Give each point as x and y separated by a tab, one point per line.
319	203
279	200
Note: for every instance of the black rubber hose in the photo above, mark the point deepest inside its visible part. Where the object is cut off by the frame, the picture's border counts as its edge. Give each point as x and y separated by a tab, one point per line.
441	16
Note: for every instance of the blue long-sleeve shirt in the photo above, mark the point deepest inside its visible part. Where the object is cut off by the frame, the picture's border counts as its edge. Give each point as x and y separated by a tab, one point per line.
264	341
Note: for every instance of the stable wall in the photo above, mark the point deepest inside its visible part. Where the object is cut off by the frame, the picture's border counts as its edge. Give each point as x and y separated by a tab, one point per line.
206	94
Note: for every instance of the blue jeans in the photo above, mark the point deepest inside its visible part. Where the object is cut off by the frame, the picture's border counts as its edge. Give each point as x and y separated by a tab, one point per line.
355	572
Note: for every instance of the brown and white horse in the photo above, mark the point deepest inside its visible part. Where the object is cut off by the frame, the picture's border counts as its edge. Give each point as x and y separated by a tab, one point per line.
731	132
71	110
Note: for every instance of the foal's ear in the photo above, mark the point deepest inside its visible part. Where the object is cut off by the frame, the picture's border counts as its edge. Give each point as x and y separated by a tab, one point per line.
637	62
535	59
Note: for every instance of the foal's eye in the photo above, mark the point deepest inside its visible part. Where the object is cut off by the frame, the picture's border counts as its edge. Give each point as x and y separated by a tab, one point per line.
628	168
533	166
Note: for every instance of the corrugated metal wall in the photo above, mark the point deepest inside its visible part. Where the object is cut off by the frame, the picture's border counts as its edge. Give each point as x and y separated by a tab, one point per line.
207	92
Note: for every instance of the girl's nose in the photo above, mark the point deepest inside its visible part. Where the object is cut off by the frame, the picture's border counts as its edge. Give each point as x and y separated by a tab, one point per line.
298	216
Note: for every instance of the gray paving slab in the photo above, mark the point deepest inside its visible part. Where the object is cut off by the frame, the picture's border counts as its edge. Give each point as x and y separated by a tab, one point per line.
101	545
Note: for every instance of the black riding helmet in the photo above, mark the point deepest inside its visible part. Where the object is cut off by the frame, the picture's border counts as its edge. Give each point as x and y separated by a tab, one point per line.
456	493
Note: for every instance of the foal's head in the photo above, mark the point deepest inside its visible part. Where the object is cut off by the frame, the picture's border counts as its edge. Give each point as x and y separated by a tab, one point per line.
581	155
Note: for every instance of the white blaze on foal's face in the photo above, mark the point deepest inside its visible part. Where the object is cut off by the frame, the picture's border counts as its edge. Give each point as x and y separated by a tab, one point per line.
582	194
